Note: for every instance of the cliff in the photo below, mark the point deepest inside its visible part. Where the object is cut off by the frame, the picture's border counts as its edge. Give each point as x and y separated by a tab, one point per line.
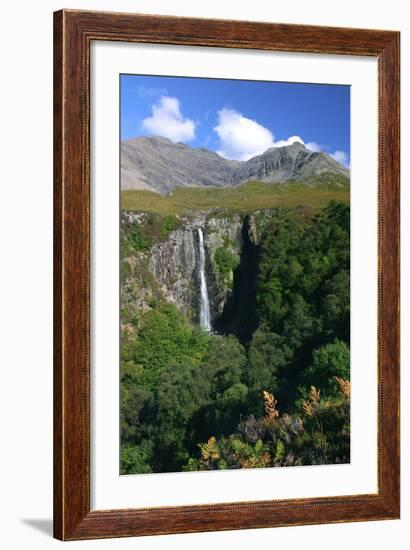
160	261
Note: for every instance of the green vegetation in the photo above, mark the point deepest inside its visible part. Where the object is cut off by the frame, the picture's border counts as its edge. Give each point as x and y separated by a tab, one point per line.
226	263
165	336
317	433
140	237
137	240
243	198
191	400
170	223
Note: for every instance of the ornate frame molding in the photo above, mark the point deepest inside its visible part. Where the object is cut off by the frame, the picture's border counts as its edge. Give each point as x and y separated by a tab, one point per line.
73	33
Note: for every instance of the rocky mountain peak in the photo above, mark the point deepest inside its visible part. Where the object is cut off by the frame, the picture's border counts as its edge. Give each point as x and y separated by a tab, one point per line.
157	164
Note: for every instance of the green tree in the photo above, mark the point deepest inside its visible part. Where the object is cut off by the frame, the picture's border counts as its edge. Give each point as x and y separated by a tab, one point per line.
135	459
267	356
166	336
334	308
328	362
224	363
182	390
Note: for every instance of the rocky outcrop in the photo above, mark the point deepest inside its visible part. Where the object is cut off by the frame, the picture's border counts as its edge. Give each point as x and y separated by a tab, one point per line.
169	268
294	162
174	262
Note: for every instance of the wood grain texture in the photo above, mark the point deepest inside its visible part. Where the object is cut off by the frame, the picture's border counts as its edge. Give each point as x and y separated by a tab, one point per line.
58	282
73	33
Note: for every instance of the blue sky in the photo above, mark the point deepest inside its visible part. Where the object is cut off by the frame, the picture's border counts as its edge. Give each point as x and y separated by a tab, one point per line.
237	118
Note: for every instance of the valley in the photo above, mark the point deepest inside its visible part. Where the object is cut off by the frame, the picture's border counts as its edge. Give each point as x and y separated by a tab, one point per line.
235	315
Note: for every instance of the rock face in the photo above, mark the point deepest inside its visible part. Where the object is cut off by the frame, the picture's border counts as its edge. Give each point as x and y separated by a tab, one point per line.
174	263
170	268
158	164
294	162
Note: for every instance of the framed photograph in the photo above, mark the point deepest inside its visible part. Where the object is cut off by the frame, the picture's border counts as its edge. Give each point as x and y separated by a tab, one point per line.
226	275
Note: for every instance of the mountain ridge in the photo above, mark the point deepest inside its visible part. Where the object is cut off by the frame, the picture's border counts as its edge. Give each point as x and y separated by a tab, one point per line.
157	164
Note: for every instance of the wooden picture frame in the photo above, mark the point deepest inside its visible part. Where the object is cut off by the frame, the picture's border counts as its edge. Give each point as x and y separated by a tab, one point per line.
74	32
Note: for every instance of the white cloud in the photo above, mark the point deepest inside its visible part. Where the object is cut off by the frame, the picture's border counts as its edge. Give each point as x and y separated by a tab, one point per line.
168	121
313	146
240	137
342	157
289	141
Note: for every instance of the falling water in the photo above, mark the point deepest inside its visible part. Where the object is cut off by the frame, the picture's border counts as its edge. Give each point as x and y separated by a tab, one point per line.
204	313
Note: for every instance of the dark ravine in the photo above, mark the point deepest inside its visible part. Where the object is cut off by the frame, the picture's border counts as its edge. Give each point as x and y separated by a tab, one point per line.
240	315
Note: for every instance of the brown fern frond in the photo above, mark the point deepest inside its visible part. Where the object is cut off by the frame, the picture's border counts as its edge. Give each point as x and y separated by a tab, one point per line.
312	402
344	386
271	412
314	394
308	408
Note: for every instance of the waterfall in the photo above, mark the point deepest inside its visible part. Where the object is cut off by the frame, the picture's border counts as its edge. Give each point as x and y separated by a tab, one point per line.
204	313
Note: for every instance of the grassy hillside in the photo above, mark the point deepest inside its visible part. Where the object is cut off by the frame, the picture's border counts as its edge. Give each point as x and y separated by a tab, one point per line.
245	198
